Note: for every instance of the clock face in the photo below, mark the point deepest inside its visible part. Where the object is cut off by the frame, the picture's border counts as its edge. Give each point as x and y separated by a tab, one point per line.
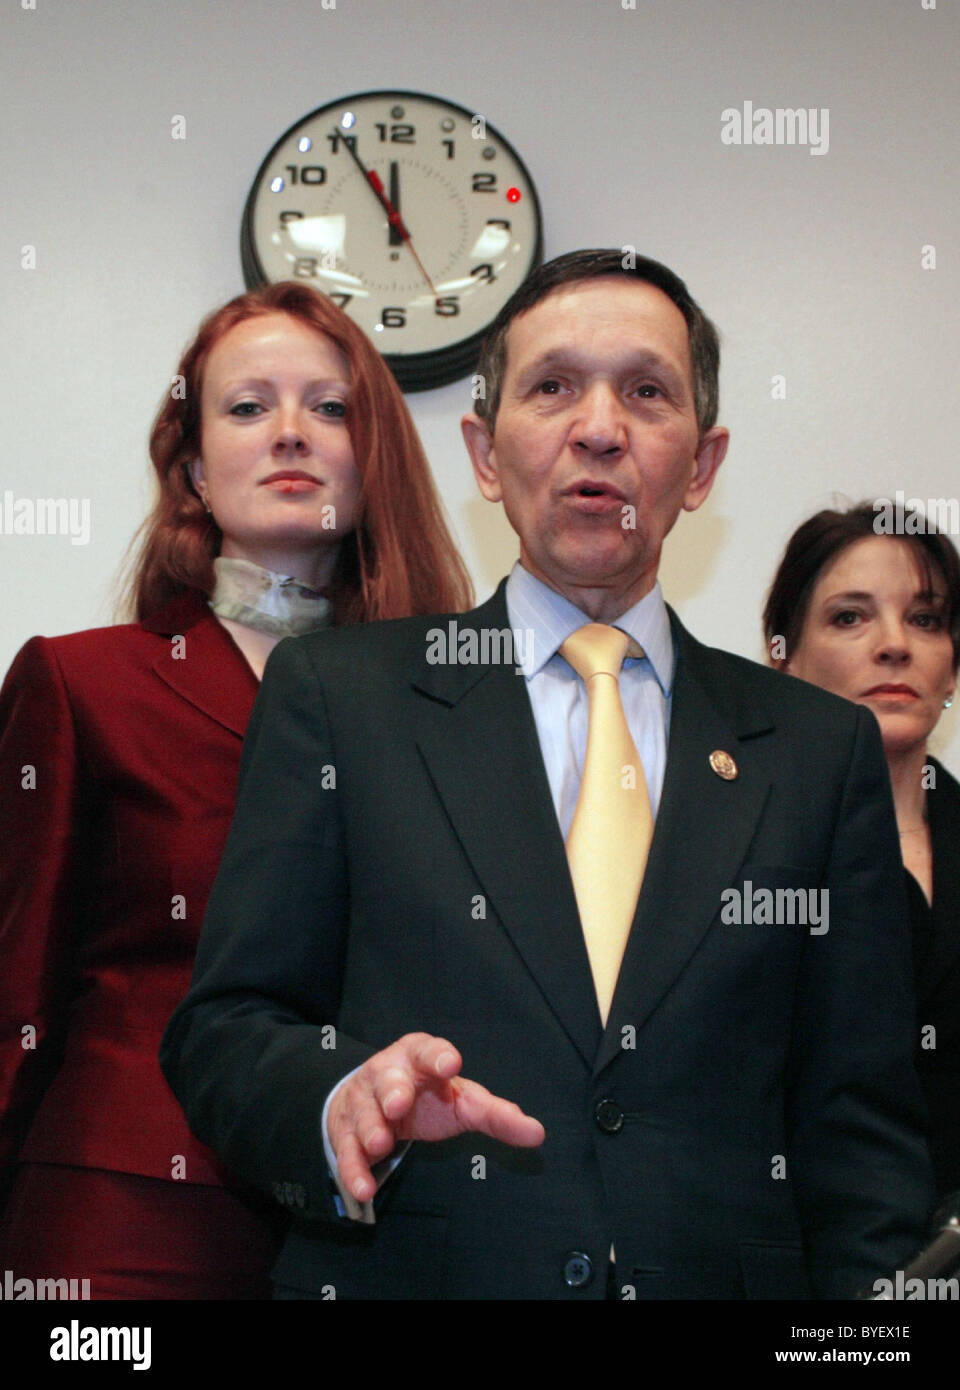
412	213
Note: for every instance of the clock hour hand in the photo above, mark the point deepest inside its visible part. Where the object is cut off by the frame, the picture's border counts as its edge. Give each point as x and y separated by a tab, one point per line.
393	216
395	239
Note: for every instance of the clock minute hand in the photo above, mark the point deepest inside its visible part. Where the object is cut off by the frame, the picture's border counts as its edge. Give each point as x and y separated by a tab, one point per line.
373	179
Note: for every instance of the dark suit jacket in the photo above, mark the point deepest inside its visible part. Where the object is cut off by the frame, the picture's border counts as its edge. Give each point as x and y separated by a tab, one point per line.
136	755
748	1124
936	941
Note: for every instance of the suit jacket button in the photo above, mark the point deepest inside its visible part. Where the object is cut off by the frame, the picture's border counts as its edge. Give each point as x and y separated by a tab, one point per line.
609	1116
578	1270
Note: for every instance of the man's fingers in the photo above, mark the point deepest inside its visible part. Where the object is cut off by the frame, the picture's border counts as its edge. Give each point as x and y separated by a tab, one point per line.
434	1058
395	1093
354	1169
501	1119
374	1132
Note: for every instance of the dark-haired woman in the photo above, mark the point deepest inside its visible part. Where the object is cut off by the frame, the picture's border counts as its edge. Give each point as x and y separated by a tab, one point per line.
876	618
293	493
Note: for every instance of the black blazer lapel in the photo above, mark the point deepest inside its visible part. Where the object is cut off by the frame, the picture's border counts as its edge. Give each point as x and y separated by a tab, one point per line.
702	833
479	742
942	949
209	670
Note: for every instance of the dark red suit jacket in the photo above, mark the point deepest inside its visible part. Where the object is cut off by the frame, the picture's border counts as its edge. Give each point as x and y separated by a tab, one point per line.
119	754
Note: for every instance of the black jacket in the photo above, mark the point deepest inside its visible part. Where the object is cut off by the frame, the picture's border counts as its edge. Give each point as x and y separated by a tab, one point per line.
936	943
748	1123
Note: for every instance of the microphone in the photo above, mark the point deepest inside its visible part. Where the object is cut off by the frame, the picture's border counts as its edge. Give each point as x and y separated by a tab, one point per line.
936	1261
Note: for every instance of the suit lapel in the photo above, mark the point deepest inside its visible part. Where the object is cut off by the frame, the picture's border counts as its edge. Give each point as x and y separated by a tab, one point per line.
479	742
207	668
702	833
942	949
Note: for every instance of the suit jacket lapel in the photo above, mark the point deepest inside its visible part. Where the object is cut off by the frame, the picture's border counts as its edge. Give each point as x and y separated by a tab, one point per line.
702	833
942	948
212	672
479	742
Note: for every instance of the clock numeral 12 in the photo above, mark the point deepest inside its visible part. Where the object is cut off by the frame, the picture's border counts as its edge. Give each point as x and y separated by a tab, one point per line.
399	134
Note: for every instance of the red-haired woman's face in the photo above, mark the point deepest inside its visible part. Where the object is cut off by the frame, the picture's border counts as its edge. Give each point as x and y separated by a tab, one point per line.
276	464
872	635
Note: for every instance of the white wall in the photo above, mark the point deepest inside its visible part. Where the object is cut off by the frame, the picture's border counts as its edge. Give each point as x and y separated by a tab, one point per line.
809	264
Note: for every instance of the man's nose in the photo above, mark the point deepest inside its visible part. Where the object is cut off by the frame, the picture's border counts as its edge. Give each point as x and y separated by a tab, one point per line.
601	427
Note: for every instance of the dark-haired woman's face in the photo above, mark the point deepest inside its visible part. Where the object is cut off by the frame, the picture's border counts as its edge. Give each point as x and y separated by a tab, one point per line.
873	636
277	464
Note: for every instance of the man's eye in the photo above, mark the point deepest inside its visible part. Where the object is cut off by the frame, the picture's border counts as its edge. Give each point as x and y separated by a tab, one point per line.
649	390
550	387
246	408
335	409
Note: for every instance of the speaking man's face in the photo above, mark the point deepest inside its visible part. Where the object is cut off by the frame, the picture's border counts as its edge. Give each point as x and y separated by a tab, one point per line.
595	448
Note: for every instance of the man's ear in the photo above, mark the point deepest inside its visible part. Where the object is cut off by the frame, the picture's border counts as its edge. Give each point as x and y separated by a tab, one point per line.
479	442
711	452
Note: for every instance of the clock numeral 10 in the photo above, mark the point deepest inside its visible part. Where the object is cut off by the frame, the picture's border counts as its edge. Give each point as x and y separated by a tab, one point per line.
306	173
399	134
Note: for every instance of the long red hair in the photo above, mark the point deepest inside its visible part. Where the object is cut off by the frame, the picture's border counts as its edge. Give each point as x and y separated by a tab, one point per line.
399	561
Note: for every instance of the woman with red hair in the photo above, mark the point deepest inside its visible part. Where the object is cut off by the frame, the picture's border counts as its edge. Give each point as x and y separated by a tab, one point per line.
293	493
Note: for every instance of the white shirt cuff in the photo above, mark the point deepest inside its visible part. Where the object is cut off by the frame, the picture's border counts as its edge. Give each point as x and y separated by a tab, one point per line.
346	1204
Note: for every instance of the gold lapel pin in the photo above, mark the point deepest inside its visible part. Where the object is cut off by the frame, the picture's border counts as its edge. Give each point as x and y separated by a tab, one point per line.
723	765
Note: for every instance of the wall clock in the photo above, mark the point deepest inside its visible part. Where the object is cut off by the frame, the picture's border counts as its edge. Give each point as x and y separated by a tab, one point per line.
414	214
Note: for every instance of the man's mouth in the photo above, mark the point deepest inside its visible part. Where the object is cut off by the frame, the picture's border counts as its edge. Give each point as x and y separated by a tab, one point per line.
589	487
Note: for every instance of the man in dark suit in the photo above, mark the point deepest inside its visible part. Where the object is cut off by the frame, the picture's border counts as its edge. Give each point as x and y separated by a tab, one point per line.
711	1098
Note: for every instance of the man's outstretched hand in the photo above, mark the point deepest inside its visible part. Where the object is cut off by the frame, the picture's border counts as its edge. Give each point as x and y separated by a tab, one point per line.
413	1090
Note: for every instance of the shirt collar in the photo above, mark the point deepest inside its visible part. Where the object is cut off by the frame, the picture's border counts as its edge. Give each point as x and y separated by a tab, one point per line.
533	606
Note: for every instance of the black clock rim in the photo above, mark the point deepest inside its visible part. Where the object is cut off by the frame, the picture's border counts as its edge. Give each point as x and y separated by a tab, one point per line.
415	371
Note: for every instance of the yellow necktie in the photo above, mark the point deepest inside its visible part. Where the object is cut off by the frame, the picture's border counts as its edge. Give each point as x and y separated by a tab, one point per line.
612	827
